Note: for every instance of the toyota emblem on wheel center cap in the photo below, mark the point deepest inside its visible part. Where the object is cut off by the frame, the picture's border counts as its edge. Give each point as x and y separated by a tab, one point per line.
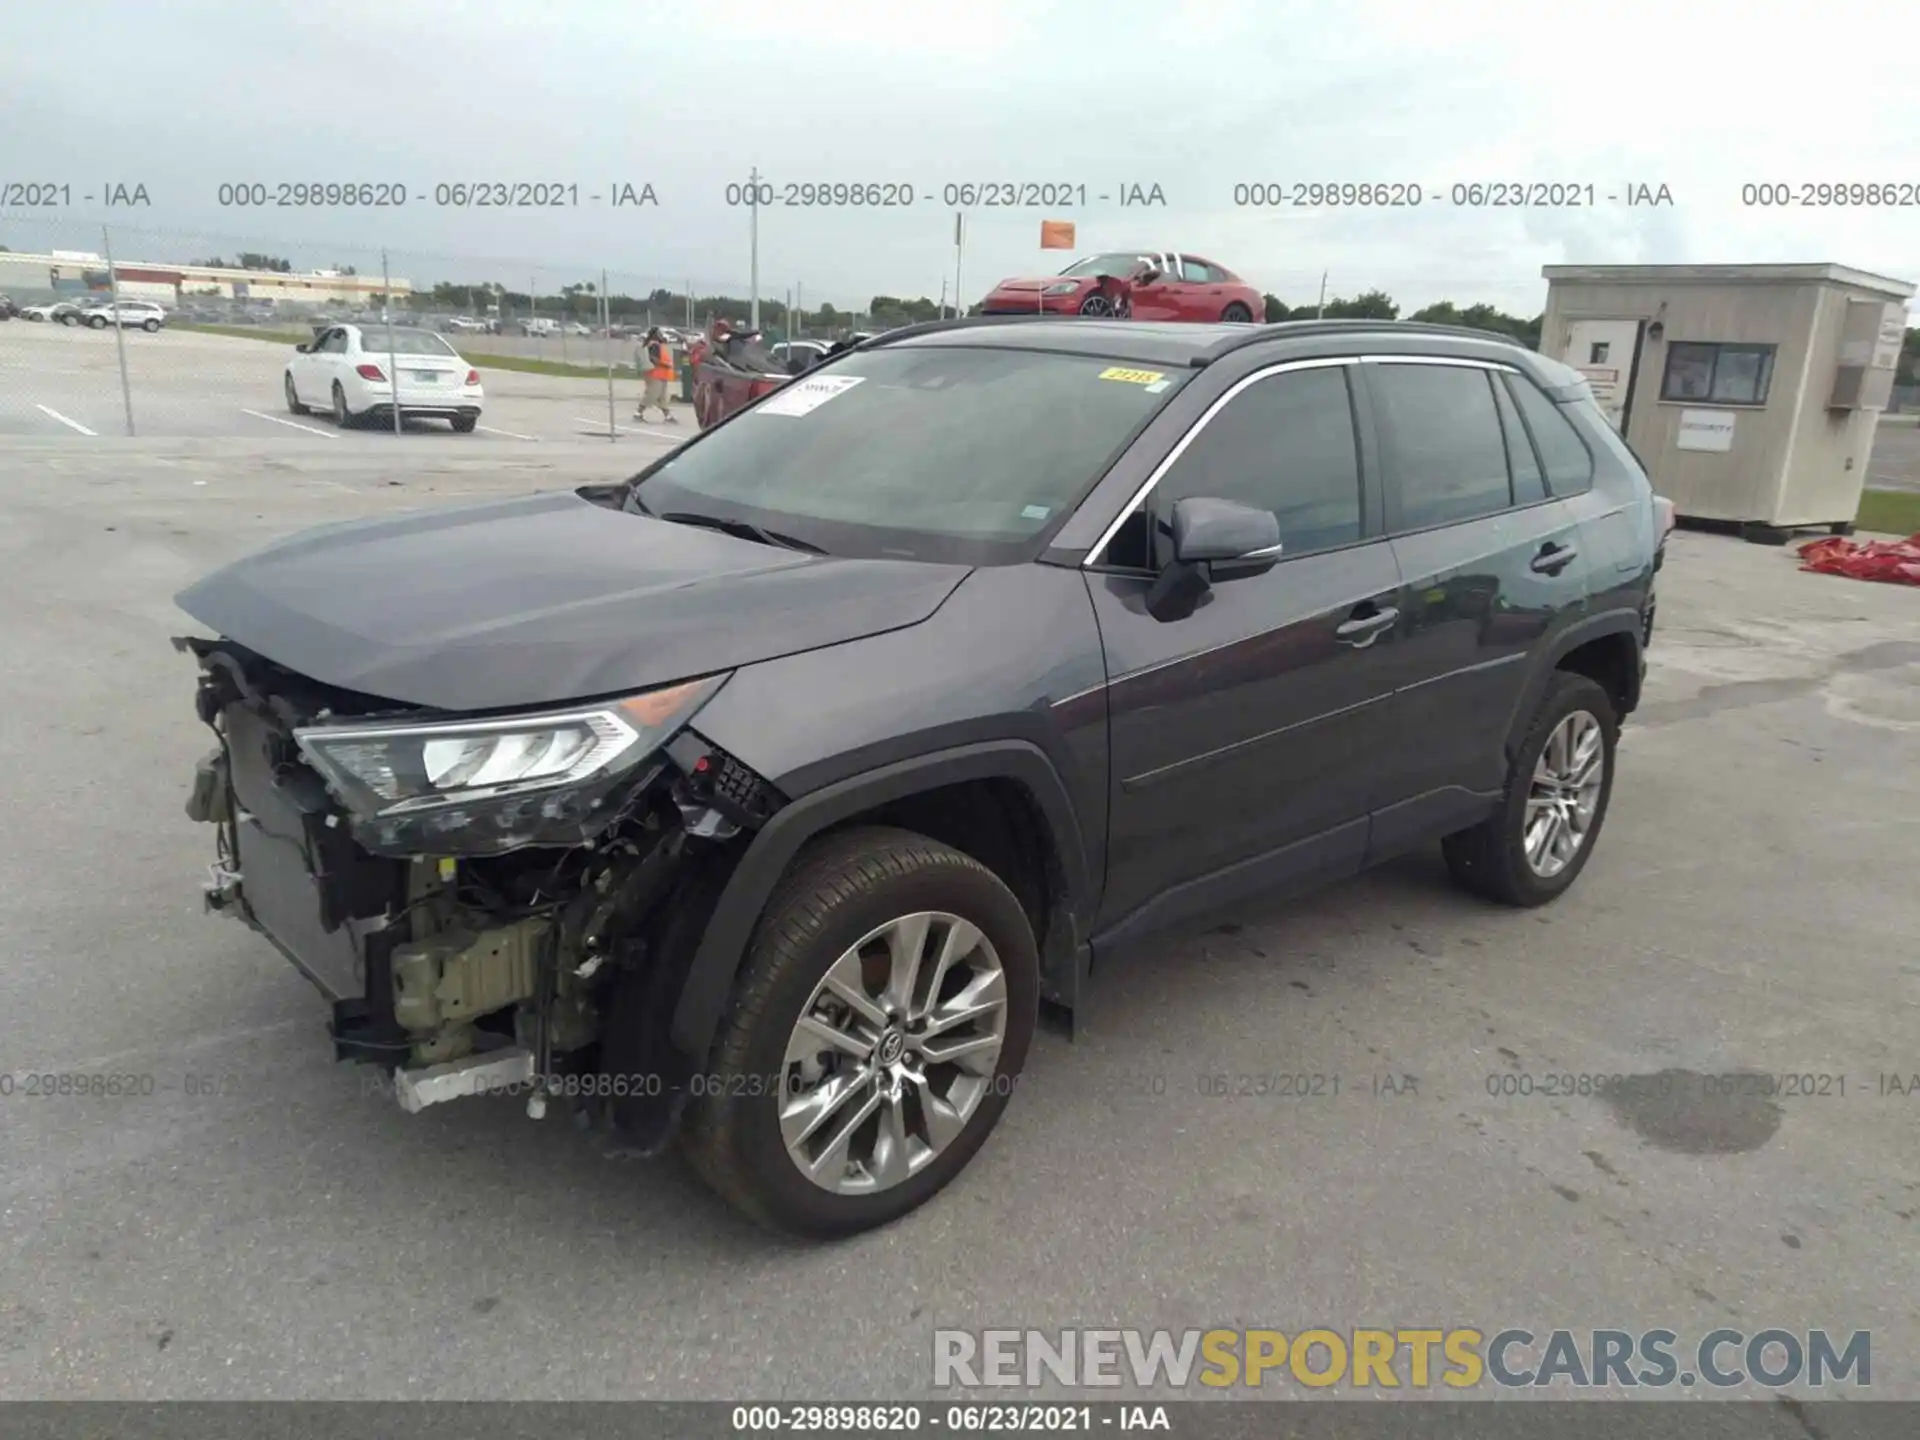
892	1046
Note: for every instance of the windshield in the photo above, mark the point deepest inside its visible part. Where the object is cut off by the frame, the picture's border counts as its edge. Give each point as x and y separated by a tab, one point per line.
1117	263
931	453
406	341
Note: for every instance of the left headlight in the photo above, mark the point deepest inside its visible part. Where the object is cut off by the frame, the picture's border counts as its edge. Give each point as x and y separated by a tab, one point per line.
398	770
1063	287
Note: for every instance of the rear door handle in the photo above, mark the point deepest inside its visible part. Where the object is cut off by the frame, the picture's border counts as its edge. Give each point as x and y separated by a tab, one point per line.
1553	558
1362	630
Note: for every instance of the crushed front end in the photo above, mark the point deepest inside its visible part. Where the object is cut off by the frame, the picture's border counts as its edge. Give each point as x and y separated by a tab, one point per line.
487	902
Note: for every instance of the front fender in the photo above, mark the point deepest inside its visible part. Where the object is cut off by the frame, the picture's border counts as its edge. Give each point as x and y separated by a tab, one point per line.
716	962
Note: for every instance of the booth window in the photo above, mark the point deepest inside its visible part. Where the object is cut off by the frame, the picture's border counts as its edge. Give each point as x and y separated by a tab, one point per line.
1718	374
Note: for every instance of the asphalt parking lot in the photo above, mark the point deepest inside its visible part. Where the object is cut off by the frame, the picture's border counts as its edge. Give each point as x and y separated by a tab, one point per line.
261	1226
62	381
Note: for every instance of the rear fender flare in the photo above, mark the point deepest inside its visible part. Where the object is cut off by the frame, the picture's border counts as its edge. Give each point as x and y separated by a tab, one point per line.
722	949
1593	627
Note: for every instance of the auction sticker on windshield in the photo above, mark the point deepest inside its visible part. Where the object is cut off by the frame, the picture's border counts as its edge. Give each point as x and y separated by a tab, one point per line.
798	397
1133	377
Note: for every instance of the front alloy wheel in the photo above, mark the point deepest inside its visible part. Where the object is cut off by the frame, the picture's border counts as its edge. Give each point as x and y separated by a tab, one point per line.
1565	795
1097	306
893	1053
876	1031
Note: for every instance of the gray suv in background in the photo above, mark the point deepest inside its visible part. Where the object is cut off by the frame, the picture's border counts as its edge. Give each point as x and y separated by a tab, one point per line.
763	799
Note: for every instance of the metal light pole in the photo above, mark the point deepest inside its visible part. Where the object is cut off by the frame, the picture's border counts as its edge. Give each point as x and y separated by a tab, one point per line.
393	370
119	330
606	316
1321	313
959	259
754	249
800	299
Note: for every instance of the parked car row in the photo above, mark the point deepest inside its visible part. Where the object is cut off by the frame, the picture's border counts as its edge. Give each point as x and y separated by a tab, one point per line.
97	313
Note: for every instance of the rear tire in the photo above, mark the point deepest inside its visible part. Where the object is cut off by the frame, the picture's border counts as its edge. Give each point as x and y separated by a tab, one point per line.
342	416
97	323
463	424
294	407
1237	314
69	319
844	903
1492	859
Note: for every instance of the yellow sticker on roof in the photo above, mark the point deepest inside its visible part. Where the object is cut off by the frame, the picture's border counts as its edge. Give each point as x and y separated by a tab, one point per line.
1132	377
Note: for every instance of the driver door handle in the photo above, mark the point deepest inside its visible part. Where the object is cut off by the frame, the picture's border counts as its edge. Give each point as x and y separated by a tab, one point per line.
1553	558
1362	629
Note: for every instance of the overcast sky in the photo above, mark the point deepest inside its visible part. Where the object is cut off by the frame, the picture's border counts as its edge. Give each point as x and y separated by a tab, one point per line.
1194	96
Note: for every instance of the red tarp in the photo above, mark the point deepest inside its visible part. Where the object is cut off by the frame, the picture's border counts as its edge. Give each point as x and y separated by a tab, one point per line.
1895	561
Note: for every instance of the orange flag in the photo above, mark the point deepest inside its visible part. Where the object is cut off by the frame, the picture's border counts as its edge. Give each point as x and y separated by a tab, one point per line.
1056	235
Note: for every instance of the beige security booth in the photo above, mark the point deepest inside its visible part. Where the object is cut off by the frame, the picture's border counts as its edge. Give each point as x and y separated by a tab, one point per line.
1750	392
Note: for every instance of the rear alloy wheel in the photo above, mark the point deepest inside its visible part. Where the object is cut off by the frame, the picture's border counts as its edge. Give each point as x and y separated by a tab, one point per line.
1097	306
877	1030
69	319
1532	848
342	416
294	406
151	326
98	322
1237	314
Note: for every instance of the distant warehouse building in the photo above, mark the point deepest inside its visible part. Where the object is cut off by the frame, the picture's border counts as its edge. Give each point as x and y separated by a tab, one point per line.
64	272
1751	392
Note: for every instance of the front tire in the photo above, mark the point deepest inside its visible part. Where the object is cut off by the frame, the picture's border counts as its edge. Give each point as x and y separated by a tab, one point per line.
97	323
877	1029
1097	307
1534	846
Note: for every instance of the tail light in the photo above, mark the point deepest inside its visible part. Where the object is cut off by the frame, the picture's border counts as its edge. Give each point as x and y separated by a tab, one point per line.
473	377
369	372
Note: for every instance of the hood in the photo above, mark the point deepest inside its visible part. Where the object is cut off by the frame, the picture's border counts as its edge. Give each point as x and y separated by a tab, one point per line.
529	602
1030	286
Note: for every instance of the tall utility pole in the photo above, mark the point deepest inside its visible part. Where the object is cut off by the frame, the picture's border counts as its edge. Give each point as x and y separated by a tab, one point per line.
799	299
1321	313
753	282
959	259
943	297
119	330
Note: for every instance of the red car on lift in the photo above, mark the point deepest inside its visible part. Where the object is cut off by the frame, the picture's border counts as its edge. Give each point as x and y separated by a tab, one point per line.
1134	285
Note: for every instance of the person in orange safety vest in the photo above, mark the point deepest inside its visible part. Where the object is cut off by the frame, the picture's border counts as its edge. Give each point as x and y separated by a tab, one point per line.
657	366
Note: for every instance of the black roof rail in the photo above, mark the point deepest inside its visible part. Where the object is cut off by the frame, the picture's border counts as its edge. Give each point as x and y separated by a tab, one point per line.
958	322
1287	329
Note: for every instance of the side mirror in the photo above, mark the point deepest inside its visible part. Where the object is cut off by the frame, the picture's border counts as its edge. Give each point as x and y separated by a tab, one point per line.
1147	276
303	347
1206	533
1205	529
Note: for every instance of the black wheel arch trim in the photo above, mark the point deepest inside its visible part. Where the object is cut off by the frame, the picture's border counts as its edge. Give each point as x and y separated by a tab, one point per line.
723	947
1621	621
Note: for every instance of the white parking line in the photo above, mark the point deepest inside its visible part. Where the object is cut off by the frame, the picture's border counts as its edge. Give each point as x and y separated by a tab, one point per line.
49	410
510	434
292	424
618	429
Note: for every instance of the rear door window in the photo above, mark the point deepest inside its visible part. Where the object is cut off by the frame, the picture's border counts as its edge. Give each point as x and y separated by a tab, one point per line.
1441	445
1563	454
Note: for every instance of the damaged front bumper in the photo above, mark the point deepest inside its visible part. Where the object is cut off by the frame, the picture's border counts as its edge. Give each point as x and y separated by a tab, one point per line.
467	946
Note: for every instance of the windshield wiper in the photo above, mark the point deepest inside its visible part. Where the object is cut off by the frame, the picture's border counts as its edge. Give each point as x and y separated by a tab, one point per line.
745	529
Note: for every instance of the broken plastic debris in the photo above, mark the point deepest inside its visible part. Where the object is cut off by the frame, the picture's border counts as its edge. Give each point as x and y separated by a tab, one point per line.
1894	562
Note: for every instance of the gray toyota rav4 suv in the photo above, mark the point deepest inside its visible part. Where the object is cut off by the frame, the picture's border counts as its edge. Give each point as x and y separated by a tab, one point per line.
763	800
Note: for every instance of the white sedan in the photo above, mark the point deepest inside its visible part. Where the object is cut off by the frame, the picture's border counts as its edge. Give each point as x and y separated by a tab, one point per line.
344	370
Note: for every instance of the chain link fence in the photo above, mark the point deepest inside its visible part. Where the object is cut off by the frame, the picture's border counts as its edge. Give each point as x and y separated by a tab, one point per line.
163	332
